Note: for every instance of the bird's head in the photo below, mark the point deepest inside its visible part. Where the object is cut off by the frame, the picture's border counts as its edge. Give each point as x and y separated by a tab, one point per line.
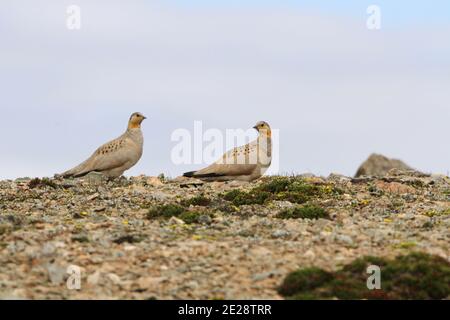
136	120
263	128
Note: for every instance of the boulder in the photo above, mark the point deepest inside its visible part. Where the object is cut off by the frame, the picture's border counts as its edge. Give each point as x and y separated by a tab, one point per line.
379	165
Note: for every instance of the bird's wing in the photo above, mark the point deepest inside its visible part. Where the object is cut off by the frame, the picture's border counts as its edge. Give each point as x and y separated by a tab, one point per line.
236	162
220	170
243	155
113	154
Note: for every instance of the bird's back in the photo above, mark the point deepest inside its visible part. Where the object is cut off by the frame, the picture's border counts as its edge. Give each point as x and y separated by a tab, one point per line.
115	156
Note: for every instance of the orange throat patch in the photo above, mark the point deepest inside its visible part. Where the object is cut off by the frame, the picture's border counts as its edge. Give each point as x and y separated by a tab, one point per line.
134	125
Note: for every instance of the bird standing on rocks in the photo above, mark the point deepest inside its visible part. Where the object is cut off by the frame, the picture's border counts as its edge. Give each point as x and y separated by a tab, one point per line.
115	157
245	163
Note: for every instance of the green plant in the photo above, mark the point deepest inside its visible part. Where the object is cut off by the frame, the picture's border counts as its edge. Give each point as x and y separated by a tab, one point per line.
191	216
292	189
304	212
199	200
129	238
165	211
412	276
239	197
36	182
374	191
434	212
172	210
304	280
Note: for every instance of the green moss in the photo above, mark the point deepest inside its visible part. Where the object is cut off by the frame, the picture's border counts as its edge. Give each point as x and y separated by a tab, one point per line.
304	212
406	245
374	191
418	276
129	238
427	225
395	205
412	276
359	266
36	182
199	200
80	238
165	211
5	228
239	197
304	280
418	184
190	216
434	212
172	210
292	189
277	185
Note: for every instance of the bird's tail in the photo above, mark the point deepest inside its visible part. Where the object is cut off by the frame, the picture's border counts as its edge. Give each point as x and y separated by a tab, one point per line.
76	172
189	174
197	174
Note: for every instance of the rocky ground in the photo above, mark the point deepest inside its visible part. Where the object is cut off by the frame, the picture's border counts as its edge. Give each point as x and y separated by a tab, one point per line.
219	245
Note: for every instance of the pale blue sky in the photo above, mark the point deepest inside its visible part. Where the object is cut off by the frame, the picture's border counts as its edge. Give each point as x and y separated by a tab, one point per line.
335	90
396	12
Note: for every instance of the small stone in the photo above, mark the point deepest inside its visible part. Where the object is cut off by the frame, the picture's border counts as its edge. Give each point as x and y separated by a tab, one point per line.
48	249
218	219
204	219
154	181
94	278
264	275
93	197
310	254
56	273
114	278
345	239
192	284
95	178
280	234
161	196
175	221
150	282
339	178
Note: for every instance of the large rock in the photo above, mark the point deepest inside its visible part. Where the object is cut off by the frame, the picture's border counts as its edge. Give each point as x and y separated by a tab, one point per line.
379	165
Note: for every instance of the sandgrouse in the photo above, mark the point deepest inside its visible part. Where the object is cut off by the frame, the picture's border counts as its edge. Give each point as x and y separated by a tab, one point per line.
245	163
115	157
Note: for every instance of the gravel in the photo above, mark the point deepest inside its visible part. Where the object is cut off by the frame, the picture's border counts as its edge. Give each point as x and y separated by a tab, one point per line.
229	254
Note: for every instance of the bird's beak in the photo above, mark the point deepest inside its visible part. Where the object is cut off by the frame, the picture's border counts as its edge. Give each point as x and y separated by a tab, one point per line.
145	117
255	127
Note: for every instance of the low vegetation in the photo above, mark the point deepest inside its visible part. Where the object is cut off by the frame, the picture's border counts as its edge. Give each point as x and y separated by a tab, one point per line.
199	200
292	189
433	213
304	212
36	182
412	276
177	211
